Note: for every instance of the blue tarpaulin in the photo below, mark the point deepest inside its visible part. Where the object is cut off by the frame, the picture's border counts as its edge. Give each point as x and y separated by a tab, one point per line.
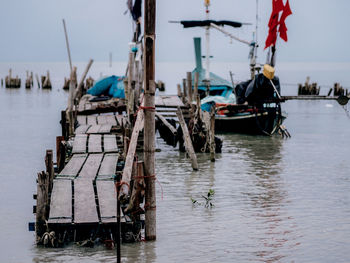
112	86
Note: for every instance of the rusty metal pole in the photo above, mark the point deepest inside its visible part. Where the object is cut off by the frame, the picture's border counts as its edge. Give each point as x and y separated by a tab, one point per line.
149	128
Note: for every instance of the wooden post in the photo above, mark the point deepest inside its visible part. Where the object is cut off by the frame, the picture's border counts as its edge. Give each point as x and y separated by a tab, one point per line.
59	139
49	168
67	43
118	222
189	86
41	203
131	84
138	187
179	93
70	115
149	131
79	91
138	83
187	139
184	90
37	80
195	88
64	124
212	134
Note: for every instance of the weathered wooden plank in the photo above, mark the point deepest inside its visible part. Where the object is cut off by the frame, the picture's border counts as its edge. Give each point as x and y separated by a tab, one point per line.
187	139
87	106
139	124
74	165
119	119
81	129
110	119
107	195
159	101
110	143
61	202
105	128
94	128
101	119
94	144
108	165
81	119
166	123
90	168
172	101
84	202
79	144
91	119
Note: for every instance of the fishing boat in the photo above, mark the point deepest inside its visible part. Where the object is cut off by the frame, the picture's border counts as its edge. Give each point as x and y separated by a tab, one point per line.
253	106
249	107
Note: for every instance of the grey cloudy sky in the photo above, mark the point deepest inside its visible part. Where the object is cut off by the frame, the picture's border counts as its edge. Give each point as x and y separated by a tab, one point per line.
32	31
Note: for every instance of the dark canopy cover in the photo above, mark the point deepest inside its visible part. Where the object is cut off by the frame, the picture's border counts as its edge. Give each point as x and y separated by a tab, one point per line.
195	23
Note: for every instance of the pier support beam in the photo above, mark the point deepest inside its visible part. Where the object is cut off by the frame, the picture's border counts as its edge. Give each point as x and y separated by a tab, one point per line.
149	108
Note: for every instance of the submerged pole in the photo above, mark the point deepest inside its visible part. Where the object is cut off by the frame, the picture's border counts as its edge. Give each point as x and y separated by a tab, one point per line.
149	128
118	221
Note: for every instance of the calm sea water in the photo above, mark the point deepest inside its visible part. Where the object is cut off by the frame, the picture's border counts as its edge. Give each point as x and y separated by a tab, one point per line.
276	200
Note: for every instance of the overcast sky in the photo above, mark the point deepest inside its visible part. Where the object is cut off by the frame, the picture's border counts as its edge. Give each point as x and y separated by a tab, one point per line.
32	31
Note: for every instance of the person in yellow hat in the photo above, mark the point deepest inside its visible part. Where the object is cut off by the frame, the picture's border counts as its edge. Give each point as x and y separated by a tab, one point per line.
260	89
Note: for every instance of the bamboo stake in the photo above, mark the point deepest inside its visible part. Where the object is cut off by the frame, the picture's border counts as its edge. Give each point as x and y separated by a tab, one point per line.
149	132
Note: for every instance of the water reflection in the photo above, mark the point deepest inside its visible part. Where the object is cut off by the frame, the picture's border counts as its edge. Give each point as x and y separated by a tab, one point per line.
271	228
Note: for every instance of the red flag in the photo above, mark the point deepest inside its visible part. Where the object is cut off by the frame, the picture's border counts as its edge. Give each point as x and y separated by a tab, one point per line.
283	28
277	7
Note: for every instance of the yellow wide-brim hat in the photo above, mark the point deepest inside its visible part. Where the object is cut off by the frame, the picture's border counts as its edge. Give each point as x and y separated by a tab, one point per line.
269	71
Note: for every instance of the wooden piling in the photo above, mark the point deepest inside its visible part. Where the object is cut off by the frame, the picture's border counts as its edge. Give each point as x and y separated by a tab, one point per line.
149	130
79	91
70	115
49	168
37	80
118	234
195	85
189	86
42	200
131	85
212	134
187	139
179	93
184	98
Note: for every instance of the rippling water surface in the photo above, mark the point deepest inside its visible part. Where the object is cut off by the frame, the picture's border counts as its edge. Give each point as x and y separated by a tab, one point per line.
276	200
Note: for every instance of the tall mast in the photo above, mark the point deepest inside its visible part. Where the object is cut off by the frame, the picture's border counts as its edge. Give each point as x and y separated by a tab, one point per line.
207	40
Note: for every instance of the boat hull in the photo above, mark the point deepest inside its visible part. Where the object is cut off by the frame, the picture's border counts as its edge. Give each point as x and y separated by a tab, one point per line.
265	123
